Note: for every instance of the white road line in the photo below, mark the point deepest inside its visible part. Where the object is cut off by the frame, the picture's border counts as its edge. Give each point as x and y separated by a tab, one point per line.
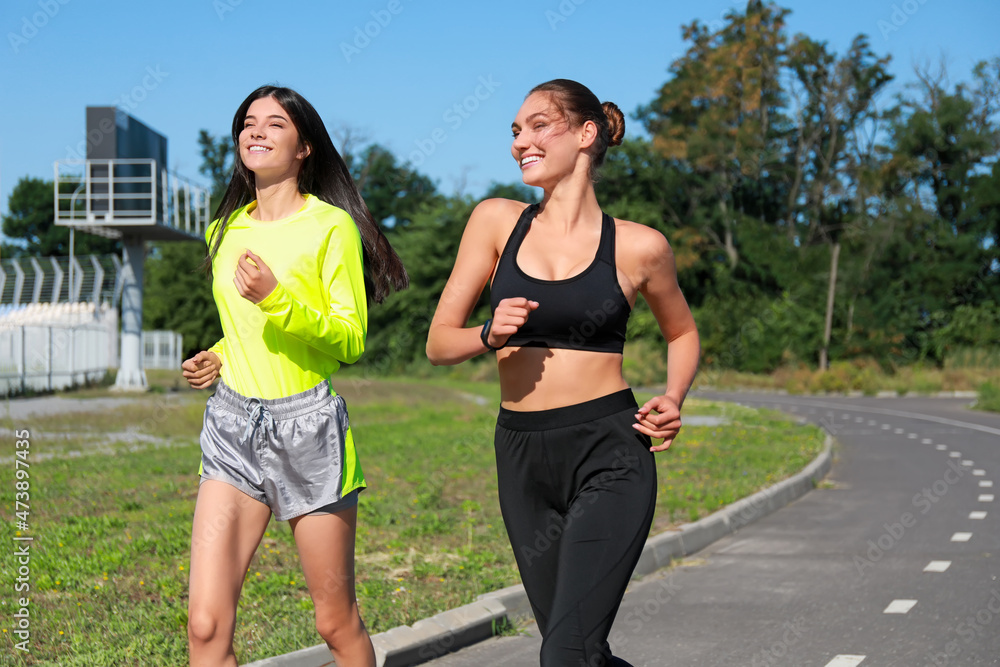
846	661
968	464
937	566
956	455
897	431
872	422
900	606
911	436
926	441
978	472
941	448
885	427
977	515
986	484
986	498
961	537
859	420
910	415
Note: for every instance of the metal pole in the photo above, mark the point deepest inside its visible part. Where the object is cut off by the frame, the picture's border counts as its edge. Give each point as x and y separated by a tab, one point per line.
130	373
24	361
48	359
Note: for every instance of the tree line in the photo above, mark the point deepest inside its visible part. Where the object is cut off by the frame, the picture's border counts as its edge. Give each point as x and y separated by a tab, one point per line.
812	217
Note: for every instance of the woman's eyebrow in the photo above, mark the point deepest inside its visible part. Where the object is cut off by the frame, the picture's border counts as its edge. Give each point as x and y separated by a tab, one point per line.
528	119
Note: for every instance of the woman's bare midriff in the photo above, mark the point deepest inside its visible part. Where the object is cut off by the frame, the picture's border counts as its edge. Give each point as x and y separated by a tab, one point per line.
538	378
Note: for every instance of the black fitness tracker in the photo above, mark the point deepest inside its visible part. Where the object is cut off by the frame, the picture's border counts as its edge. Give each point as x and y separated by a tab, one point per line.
484	336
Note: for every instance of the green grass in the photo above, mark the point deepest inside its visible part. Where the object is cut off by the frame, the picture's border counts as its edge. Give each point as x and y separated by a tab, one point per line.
989	397
864	376
110	556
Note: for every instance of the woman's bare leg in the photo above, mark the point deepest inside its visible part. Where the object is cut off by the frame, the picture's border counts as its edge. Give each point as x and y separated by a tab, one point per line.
228	526
326	551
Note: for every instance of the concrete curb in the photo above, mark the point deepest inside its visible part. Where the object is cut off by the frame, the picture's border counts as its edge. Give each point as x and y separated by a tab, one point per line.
456	628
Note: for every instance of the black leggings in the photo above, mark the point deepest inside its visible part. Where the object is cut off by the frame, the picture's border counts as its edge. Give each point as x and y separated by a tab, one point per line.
577	491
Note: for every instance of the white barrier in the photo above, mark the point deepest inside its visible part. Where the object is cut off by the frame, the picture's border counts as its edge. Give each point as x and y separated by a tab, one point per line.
162	349
47	358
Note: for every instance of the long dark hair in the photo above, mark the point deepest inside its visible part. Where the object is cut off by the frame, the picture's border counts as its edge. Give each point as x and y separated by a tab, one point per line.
324	175
578	104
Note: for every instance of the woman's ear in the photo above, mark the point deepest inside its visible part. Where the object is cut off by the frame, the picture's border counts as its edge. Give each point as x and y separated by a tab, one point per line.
588	134
305	151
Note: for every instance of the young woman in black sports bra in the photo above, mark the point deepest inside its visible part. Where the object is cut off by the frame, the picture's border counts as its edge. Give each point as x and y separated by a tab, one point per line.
574	451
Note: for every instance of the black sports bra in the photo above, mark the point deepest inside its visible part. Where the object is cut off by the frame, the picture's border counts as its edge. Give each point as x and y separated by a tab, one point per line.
587	311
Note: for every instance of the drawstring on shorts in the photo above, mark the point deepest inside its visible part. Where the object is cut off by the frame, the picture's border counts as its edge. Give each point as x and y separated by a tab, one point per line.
258	412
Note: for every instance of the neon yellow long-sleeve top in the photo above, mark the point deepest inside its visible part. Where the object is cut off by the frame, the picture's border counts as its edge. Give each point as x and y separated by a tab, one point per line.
314	320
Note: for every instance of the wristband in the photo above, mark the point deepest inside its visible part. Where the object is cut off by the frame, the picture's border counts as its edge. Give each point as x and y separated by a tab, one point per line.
484	335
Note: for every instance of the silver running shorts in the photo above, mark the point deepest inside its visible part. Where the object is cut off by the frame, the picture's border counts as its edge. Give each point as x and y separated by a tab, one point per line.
287	453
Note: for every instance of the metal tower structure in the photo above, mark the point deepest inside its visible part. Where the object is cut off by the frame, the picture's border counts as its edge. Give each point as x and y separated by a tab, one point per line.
124	190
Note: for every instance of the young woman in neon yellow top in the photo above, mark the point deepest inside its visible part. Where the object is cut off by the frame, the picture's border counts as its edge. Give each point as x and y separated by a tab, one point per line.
291	253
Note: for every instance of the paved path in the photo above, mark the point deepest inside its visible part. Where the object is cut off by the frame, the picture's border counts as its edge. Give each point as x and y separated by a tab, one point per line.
895	561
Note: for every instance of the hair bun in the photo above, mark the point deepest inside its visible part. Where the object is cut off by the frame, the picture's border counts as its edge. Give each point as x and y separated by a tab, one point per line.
616	123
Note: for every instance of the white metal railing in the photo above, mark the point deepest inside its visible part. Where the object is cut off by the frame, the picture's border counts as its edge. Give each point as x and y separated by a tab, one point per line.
101	196
58	279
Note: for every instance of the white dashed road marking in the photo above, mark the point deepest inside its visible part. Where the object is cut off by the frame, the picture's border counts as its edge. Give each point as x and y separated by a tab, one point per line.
846	661
978	472
986	498
937	566
985	484
900	606
977	515
961	537
926	441
941	448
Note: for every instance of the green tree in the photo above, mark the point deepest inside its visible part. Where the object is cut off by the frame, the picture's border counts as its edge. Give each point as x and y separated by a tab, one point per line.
178	296
428	246
394	192
716	115
31	218
216	163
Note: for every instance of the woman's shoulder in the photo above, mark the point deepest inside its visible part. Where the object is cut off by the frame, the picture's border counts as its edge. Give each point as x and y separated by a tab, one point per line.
500	209
639	240
494	219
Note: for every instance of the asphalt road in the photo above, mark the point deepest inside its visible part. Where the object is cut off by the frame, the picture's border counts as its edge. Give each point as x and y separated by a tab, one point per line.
893	561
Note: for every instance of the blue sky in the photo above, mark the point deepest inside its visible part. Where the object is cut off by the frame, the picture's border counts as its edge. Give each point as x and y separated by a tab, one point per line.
184	65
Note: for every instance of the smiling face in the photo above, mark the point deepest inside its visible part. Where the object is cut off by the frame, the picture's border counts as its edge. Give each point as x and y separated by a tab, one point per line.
269	142
546	147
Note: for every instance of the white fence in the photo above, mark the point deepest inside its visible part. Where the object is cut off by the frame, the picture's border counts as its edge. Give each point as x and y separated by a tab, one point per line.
47	358
162	349
48	347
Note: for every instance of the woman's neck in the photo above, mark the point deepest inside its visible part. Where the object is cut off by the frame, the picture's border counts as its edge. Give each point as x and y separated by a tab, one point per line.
277	200
570	202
